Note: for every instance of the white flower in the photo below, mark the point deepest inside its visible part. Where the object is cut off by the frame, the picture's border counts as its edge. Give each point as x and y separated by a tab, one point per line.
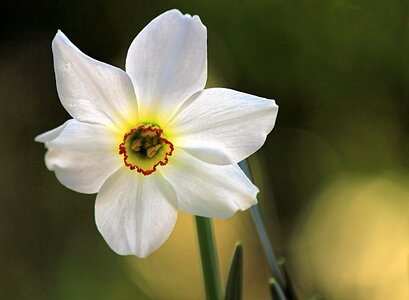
153	140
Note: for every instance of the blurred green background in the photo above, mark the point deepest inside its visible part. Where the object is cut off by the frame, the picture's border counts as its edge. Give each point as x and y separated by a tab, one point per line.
333	173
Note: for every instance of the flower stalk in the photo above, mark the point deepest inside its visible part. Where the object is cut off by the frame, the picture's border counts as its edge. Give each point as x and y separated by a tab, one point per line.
208	254
262	233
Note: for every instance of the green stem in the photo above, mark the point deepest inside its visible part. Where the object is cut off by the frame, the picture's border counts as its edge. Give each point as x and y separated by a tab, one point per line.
210	266
262	232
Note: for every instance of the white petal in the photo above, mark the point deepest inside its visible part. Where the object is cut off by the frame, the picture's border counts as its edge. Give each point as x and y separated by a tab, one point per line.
208	190
167	63
83	156
92	91
134	213
50	135
223	126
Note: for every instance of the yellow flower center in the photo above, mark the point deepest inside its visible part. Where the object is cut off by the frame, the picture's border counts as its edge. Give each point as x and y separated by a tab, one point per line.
144	148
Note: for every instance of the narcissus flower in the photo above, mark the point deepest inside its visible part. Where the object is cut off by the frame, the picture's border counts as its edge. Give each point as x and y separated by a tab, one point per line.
152	141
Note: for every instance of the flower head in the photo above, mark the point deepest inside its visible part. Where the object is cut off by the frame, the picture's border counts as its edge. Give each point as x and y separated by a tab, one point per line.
152	140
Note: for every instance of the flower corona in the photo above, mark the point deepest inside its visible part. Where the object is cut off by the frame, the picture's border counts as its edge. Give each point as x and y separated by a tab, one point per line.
144	149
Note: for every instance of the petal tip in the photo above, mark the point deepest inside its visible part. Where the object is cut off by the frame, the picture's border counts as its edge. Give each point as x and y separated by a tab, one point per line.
252	199
38	139
143	253
275	104
174	11
249	204
50	135
60	41
59	36
127	252
194	19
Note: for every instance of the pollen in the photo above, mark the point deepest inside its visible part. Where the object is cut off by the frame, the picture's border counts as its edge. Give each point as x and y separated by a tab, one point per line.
144	148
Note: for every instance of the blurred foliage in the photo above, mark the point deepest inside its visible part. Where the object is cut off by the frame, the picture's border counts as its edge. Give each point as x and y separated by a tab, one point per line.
339	72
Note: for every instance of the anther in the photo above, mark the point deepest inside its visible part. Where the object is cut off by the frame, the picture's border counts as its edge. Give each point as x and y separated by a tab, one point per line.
136	145
153	150
148	133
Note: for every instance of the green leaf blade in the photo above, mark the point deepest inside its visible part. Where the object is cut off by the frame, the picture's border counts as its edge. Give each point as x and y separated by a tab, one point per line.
275	290
234	286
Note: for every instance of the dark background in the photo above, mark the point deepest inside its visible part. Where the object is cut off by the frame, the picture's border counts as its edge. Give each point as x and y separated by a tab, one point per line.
333	173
